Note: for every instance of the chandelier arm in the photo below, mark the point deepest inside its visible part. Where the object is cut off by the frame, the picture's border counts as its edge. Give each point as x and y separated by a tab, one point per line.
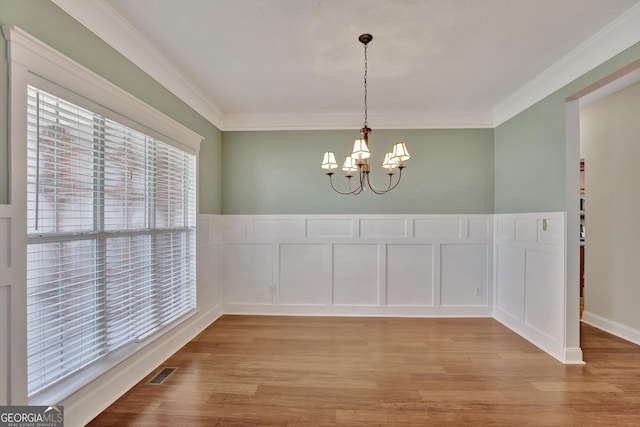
377	190
398	181
390	187
354	192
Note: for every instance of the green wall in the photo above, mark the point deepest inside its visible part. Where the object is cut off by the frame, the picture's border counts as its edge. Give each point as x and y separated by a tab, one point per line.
529	149
47	22
278	172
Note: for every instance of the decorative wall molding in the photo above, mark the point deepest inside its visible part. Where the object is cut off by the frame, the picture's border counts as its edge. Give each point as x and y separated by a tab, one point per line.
209	291
530	280
360	265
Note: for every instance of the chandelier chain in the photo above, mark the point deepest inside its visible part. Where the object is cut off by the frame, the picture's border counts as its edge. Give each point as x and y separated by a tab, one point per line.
366	124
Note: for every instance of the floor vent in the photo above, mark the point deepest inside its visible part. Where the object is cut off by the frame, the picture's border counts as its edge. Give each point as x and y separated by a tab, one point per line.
162	375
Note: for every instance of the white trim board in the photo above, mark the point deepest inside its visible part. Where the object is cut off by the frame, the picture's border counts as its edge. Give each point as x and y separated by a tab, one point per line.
614	328
357	311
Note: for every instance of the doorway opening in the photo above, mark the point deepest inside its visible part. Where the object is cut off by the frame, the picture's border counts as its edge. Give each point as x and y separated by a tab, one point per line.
601	145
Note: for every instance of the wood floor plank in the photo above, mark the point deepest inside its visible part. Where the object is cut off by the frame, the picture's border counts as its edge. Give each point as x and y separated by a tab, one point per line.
341	371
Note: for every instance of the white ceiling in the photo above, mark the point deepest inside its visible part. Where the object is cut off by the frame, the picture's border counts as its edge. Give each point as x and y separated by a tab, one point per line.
250	64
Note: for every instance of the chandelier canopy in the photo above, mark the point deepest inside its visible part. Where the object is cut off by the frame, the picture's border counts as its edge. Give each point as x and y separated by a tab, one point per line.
358	160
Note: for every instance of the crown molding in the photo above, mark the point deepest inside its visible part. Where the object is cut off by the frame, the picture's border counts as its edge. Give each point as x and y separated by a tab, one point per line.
106	23
409	120
620	34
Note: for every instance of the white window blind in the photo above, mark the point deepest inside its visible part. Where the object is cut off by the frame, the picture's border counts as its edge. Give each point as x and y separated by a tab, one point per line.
111	236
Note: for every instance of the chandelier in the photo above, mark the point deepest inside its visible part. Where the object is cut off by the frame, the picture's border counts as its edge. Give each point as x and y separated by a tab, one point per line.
358	160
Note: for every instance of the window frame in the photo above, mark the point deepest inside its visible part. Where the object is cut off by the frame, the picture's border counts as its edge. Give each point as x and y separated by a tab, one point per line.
32	62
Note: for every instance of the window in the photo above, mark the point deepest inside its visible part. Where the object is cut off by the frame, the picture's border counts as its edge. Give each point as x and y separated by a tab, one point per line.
110	236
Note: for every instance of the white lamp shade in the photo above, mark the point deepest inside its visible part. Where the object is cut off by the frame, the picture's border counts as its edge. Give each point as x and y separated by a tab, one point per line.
360	149
349	164
329	160
400	153
389	161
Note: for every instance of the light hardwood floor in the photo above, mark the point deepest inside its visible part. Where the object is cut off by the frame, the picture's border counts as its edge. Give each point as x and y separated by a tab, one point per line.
328	371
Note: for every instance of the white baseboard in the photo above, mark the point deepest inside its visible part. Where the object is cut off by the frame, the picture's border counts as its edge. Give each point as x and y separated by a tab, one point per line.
90	401
623	331
573	356
355	310
543	342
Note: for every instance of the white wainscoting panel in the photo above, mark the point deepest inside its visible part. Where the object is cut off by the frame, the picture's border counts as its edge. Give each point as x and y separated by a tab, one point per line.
355	274
438	227
530	284
510	281
247	273
209	268
376	265
526	229
385	228
410	275
551	231
235	229
505	227
464	277
544	293
479	228
208	276
279	227
323	228
303	278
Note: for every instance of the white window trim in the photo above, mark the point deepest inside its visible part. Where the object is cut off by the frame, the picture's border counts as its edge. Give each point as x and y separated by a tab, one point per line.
42	60
32	60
